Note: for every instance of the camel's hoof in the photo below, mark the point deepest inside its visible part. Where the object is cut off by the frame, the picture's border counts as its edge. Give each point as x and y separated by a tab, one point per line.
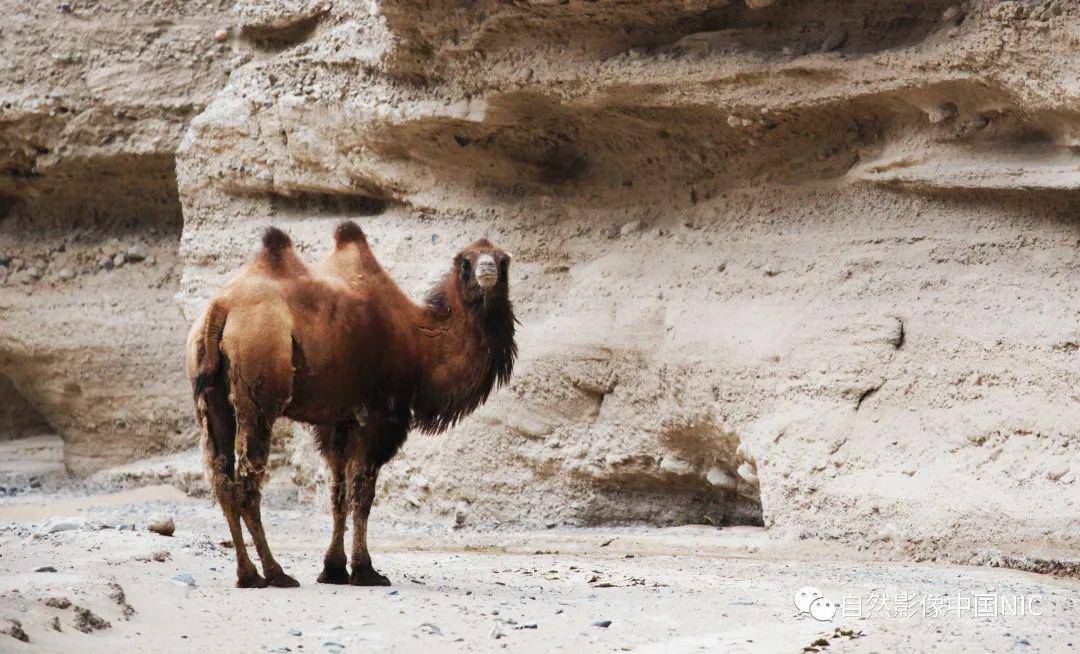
251	580
331	575
281	580
367	577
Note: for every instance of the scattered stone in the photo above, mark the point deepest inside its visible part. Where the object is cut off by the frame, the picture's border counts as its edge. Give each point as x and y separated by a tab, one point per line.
184	579
431	629
496	632
603	624
1057	470
333	644
136	253
54	525
527	625
118	260
721	478
162	524
942	113
55	624
834	40
747	472
221	35
953	14
15	630
87	622
772	270
978	122
631	227
67	274
46	568
65	7
676	466
293	631
58	602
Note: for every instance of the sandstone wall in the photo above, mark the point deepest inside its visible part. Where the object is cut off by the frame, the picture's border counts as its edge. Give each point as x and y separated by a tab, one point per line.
94	99
811	265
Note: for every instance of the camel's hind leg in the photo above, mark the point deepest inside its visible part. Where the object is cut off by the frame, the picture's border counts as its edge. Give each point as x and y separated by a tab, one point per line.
332	441
253	450
219	422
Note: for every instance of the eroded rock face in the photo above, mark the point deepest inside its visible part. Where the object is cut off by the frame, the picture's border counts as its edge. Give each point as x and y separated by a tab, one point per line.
96	96
800	263
804	263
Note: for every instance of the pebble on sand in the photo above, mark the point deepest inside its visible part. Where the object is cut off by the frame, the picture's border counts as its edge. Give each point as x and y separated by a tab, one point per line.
1057	470
162	524
184	579
54	525
603	624
136	253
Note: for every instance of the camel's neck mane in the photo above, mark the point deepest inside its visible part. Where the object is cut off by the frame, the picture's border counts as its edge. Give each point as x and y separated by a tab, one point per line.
470	349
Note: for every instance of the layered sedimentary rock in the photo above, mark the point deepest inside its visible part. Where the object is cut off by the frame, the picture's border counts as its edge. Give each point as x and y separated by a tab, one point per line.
94	100
808	264
802	263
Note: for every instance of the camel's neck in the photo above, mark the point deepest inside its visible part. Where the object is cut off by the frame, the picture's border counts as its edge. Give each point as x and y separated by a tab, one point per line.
465	350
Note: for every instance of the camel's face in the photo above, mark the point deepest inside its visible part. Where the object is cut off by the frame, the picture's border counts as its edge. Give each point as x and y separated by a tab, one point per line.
482	269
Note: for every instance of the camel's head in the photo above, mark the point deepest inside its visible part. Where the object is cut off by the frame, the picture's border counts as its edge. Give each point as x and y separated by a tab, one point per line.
483	271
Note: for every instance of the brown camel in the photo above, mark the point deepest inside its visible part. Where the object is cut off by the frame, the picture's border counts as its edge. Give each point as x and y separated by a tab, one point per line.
339	346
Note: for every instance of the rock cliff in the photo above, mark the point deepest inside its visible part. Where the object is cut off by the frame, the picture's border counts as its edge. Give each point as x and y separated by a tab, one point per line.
809	264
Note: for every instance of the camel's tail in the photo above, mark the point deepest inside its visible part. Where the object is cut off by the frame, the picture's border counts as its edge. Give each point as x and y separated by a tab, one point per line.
210	355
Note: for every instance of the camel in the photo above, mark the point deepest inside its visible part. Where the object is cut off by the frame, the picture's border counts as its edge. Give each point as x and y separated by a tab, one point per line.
337	345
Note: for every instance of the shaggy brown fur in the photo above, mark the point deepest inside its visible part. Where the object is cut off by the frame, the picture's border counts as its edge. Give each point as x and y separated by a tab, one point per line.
339	346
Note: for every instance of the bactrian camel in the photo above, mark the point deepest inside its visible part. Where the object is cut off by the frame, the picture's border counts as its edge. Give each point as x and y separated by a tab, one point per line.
339	346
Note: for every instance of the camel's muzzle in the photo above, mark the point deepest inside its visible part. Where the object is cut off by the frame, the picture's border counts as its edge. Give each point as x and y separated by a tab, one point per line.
487	273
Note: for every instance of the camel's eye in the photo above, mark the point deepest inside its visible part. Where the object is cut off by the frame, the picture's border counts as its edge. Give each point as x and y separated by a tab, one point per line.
465	267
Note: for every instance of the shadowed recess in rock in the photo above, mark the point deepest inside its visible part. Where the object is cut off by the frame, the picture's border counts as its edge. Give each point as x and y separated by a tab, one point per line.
18	418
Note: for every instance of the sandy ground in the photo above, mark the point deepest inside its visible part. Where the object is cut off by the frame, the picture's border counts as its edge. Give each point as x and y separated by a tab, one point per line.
683	589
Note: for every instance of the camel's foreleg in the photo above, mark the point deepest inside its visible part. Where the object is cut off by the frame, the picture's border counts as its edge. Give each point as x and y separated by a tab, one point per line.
362	476
380	436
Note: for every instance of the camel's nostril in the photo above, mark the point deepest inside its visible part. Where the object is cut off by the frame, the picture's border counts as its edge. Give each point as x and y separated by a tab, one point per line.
487	273
486	277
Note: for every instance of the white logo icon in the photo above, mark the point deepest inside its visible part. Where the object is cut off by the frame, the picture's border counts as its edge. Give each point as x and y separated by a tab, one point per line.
811	600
